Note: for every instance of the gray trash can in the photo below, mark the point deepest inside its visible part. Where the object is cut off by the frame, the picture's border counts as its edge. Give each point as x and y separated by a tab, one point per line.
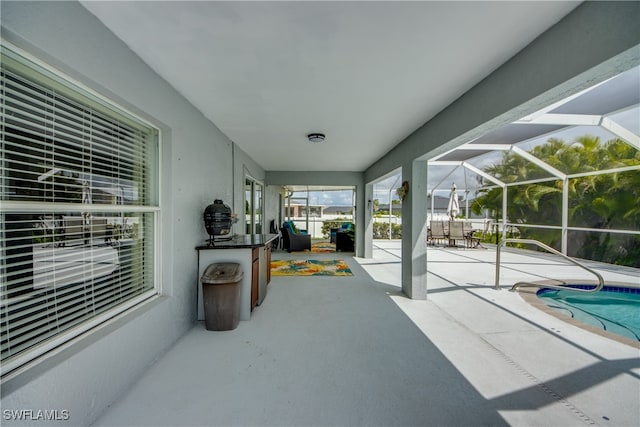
221	296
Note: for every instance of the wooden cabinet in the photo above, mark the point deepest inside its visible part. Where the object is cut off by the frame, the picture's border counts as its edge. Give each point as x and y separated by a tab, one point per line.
253	253
268	266
255	276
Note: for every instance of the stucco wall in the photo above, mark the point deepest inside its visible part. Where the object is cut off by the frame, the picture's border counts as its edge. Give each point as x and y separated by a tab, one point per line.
243	166
196	168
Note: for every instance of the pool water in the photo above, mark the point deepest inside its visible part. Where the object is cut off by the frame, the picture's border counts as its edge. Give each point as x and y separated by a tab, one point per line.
614	309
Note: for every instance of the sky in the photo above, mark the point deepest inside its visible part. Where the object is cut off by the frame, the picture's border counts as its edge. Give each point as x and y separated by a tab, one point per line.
329	198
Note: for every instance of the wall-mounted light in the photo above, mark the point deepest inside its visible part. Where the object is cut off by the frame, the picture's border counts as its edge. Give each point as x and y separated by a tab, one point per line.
316	137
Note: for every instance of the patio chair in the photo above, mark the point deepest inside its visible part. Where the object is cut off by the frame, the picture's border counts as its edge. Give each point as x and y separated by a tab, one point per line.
344	237
437	231
292	241
472	242
456	232
467	226
478	236
345	226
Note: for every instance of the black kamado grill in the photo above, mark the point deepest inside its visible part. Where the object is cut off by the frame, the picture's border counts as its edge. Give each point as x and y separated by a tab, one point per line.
218	221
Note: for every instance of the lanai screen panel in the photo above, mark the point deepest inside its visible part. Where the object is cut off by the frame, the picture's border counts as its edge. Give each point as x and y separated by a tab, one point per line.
613	95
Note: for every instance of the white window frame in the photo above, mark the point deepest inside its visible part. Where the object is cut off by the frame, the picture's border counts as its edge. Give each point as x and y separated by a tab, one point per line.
250	218
17	364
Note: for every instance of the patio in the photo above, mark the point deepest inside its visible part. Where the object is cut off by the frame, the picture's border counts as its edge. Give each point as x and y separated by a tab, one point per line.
355	351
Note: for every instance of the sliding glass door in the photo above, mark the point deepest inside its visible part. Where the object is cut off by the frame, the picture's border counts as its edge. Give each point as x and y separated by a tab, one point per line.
253	206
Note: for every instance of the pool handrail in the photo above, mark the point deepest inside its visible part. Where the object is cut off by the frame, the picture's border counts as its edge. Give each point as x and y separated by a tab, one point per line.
540	285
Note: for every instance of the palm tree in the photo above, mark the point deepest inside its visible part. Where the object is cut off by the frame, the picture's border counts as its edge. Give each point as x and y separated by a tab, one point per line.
597	201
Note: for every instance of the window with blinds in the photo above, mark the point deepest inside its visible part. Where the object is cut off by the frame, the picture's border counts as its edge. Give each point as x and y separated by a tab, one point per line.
78	209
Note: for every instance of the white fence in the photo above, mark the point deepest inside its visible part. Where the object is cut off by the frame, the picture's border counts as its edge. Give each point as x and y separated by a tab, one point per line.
315	223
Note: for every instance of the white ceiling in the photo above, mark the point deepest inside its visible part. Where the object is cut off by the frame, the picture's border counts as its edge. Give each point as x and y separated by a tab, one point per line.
367	74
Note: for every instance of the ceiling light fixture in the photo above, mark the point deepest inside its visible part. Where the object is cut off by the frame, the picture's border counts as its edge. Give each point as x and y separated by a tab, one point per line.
316	137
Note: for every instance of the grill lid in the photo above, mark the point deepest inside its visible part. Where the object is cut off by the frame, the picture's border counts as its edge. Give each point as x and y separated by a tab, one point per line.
217	218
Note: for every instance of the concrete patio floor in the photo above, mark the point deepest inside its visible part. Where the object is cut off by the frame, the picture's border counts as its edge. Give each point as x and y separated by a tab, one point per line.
354	351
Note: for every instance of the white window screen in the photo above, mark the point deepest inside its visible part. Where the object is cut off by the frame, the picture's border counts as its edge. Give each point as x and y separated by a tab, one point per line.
78	210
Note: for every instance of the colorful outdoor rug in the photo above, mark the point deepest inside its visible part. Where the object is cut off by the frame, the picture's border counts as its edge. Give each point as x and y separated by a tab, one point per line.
322	247
310	267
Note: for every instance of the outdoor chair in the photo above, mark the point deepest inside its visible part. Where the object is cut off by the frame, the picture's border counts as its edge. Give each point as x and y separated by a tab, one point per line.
292	241
456	232
332	235
476	239
344	237
437	231
345	226
467	227
472	242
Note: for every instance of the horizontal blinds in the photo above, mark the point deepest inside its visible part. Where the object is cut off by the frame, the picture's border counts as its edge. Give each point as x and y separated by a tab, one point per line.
62	269
57	150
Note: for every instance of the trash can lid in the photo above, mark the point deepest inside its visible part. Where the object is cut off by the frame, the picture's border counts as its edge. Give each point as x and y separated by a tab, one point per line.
219	273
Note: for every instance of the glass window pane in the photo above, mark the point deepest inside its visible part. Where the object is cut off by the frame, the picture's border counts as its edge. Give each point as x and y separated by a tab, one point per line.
60	269
257	208
248	207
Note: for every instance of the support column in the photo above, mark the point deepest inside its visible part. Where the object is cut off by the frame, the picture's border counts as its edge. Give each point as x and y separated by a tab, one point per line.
368	225
505	194
414	231
565	214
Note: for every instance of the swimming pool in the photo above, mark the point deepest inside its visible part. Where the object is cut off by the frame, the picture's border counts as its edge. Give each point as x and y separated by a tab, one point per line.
614	309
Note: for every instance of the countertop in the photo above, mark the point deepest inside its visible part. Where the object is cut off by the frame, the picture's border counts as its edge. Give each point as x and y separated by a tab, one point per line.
240	241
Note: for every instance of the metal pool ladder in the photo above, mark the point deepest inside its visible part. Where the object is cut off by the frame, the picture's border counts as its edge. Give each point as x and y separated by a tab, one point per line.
550	249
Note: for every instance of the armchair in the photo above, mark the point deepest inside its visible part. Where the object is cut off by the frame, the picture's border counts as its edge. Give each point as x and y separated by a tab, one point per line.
344	237
292	241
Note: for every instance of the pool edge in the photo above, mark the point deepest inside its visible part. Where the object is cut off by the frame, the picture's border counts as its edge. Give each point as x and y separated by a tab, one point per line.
528	294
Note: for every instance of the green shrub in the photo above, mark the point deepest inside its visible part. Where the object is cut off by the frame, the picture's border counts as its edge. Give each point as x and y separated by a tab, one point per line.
381	230
335	223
